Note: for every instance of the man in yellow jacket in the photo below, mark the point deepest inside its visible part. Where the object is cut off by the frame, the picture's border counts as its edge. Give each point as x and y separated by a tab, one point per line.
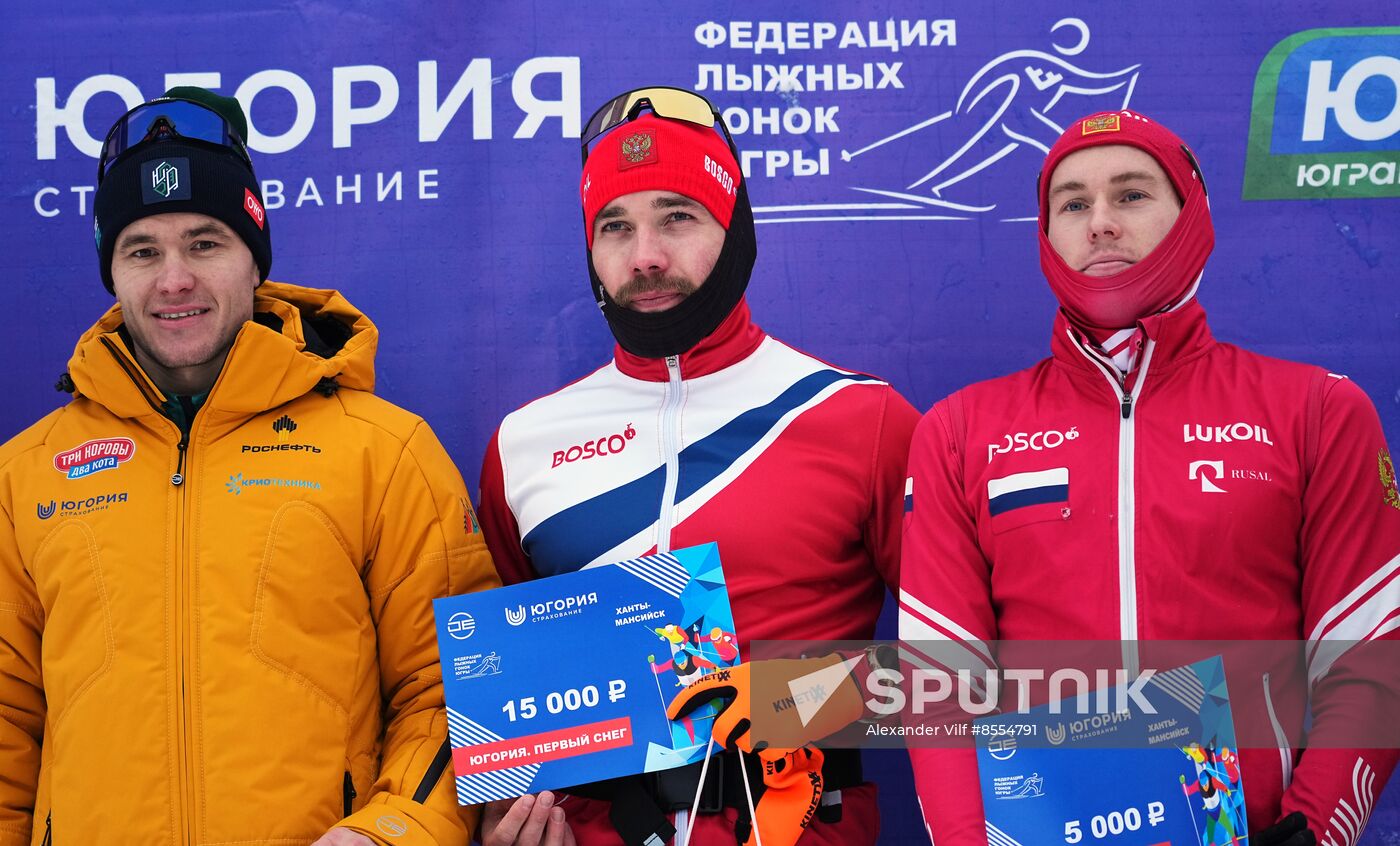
217	560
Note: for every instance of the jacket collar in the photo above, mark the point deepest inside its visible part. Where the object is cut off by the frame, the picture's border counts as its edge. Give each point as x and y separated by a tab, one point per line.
265	368
1178	336
733	340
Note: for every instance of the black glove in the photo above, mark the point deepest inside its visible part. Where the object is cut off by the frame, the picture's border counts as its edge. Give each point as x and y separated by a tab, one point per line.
1292	830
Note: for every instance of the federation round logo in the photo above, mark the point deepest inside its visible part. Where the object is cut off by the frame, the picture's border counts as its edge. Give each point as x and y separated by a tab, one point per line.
391	826
461	625
1002	748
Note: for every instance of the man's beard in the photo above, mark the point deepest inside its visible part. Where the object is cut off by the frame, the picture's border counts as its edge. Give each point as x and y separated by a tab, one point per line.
655	284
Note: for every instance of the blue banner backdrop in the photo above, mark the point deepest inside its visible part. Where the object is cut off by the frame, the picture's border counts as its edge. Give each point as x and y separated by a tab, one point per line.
422	158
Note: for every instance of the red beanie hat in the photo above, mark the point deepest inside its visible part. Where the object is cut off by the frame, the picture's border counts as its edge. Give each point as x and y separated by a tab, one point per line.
1122	127
656	154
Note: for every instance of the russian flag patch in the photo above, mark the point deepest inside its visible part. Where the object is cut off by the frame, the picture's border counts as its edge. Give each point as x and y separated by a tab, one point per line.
908	494
1023	489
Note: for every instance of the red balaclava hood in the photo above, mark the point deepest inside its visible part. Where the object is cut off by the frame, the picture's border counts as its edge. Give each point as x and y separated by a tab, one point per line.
1164	276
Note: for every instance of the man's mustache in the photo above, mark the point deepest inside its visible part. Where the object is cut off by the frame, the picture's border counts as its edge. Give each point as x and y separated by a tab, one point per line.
653	284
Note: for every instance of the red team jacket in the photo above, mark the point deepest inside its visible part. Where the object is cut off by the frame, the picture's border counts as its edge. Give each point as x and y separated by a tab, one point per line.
1226	496
793	466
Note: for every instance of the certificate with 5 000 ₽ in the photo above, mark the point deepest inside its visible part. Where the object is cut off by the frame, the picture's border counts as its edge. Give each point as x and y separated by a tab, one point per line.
1154	767
565	680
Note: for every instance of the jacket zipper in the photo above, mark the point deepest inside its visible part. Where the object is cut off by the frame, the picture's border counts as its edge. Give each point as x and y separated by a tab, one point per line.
48	830
132	373
177	480
1285	753
670	450
182	590
182	638
1127	528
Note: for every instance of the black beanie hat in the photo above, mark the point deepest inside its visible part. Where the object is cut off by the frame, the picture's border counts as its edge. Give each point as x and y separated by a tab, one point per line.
184	175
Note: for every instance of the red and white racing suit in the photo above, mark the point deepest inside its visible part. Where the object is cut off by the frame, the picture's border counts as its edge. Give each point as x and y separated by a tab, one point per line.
795	467
1224	495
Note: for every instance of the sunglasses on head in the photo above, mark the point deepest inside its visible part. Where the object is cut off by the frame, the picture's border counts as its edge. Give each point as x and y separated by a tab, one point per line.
167	119
663	101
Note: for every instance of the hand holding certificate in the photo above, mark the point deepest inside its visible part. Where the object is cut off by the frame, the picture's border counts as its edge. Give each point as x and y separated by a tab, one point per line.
565	680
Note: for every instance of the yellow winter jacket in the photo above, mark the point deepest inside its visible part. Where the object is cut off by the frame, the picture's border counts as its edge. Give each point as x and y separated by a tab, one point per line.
230	640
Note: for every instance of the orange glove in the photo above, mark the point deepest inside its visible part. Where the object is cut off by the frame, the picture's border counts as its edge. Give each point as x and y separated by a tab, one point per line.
798	701
782	703
792	792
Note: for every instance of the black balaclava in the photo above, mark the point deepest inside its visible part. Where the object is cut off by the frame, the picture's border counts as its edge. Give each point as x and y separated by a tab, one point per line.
678	329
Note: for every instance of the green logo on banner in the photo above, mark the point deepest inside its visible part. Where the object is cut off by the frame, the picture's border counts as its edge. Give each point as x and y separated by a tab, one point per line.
1325	122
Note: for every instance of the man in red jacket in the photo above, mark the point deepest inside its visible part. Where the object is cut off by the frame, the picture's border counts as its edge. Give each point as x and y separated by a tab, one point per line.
1147	482
701	428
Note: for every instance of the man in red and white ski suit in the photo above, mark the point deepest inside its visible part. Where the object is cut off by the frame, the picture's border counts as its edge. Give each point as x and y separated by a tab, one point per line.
702	428
1147	482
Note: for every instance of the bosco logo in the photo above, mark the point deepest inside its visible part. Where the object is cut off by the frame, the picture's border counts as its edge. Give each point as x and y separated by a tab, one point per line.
721	175
606	445
254	208
1022	441
1326	117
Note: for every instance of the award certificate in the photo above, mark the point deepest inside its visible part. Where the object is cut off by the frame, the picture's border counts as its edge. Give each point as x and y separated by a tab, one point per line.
1120	773
565	680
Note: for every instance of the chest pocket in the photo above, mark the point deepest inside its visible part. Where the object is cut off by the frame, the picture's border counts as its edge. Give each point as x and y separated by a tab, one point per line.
1020	499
